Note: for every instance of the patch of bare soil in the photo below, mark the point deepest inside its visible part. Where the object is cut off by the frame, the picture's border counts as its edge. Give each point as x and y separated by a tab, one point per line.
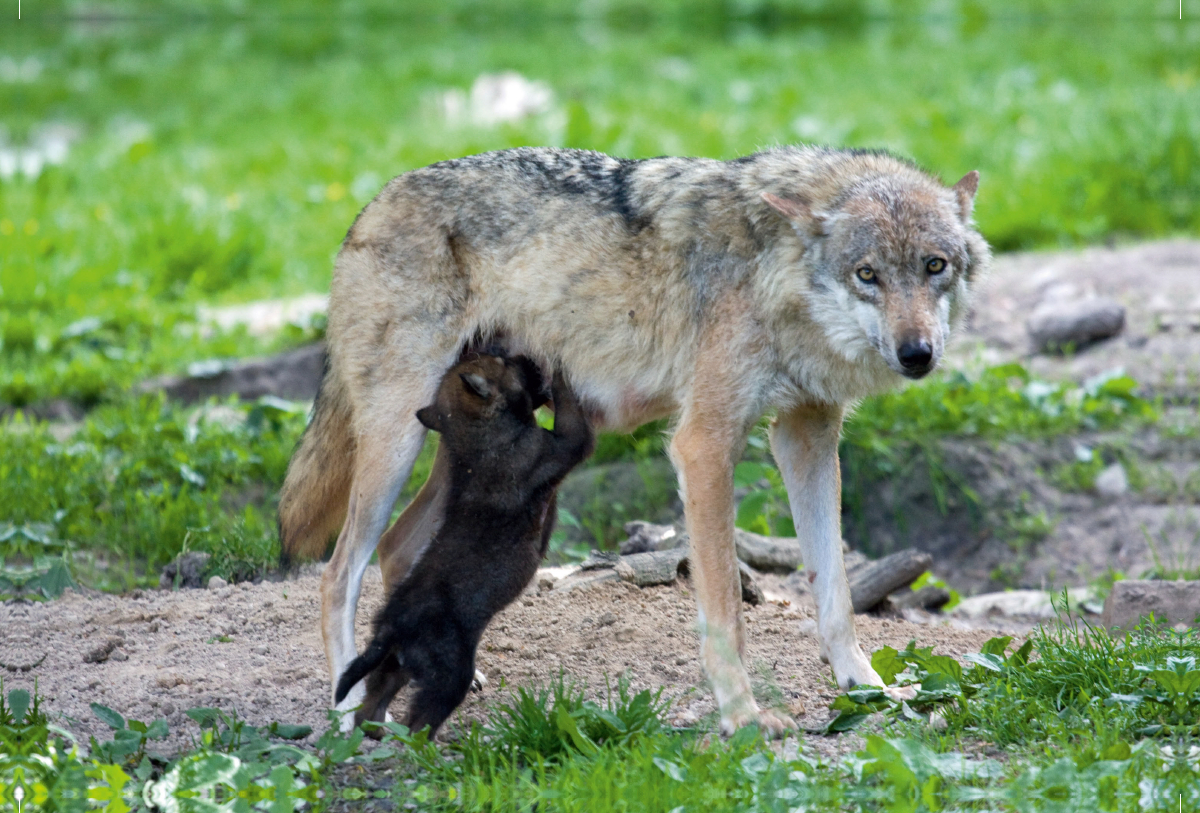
256	650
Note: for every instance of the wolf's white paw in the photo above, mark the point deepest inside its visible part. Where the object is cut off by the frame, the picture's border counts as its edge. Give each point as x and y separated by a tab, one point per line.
851	667
771	725
480	681
352	701
902	692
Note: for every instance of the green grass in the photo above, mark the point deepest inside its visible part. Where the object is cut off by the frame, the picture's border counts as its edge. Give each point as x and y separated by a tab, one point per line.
1071	720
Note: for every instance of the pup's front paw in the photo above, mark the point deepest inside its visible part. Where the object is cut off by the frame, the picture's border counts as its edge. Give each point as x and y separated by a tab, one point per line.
480	682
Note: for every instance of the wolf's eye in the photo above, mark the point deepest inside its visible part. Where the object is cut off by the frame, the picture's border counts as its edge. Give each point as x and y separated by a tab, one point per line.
935	266
866	273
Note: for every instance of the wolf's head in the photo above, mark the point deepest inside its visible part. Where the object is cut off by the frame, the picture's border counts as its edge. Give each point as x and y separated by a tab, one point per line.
891	254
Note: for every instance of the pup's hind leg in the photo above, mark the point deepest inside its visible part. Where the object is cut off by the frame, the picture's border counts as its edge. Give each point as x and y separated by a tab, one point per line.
407	540
382	684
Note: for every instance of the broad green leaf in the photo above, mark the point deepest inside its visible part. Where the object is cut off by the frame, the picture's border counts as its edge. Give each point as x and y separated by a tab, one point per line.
673	770
293	732
567	725
109	717
887	662
993	663
18	704
748	474
996	646
751	507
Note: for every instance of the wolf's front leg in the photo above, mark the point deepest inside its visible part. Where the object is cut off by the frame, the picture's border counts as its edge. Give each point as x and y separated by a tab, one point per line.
703	451
804	441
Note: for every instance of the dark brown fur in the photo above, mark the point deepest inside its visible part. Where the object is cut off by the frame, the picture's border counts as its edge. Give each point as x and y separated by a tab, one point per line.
504	471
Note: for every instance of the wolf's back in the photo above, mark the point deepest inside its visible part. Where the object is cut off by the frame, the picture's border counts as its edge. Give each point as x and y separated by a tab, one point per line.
316	490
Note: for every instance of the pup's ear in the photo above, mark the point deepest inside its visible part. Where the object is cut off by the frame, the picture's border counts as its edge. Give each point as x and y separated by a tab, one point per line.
965	191
798	212
429	418
477	384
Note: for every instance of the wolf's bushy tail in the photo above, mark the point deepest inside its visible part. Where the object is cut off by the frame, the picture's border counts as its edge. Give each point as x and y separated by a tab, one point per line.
360	667
316	490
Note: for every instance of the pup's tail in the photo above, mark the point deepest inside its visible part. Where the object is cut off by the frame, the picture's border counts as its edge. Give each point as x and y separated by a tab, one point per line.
316	491
360	667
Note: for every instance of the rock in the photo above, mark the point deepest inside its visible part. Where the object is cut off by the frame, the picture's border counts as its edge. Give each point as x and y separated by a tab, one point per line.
652	567
646	536
102	652
871	583
216	583
1030	603
624	635
1057	326
1176	602
294	375
1112	482
189	567
598	559
583	579
118	655
606	620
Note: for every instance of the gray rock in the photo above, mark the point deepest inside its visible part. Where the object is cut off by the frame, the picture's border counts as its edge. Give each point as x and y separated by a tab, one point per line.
1112	481
1176	602
216	583
294	375
646	536
1057	326
189	568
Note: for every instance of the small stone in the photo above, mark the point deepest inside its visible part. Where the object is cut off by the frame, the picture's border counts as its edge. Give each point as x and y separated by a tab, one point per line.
624	635
1112	481
188	568
216	583
102	652
1057	326
796	707
681	660
937	722
606	620
118	655
259	650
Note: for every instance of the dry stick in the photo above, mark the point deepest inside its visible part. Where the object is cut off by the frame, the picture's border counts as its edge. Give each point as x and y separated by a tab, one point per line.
871	583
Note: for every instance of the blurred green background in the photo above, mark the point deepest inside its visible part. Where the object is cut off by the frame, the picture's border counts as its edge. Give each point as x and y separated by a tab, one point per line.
156	156
207	156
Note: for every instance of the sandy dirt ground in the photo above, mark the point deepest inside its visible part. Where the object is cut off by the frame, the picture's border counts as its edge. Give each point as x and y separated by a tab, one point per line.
256	650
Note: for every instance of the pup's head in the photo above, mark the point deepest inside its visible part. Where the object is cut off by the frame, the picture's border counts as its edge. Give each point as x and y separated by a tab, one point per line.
485	392
892	256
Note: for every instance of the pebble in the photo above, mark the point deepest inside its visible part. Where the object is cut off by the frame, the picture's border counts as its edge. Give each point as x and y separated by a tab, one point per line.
1112	481
216	583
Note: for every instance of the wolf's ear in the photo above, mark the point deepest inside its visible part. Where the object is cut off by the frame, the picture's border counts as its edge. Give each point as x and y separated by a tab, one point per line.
965	191
477	384
429	418
798	212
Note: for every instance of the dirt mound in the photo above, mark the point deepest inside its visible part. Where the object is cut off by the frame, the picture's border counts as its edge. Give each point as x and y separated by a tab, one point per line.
256	650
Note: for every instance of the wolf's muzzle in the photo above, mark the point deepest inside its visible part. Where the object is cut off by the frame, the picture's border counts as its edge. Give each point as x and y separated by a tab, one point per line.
916	357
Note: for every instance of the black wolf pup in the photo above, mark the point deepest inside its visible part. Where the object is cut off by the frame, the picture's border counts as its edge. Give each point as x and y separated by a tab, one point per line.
504	472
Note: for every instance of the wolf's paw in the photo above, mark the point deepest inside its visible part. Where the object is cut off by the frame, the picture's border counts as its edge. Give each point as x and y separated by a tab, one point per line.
902	692
480	681
348	705
771	725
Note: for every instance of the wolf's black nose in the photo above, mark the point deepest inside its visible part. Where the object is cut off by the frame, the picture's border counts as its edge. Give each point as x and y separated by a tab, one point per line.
915	355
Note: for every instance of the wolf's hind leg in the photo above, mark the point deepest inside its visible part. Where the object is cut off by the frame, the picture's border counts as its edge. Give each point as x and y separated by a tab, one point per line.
389	438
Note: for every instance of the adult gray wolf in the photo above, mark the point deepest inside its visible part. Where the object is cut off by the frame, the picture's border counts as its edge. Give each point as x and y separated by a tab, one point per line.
798	279
504	471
